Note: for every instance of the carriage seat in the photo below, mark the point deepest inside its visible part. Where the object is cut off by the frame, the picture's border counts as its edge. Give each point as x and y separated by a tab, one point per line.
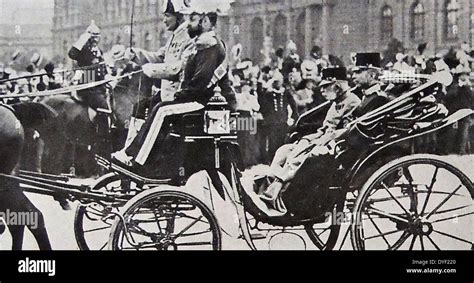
401	116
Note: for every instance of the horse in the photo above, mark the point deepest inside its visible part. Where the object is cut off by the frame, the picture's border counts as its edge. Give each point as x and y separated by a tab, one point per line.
13	119
72	138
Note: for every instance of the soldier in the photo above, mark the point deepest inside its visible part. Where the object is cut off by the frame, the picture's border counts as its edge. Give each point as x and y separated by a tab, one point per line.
275	102
365	74
289	158
89	56
205	68
166	64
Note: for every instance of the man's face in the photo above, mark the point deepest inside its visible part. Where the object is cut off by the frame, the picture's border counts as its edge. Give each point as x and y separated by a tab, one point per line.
359	77
329	92
195	26
95	40
171	22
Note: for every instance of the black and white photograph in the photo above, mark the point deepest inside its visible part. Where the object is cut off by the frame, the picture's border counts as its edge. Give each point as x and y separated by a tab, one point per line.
237	125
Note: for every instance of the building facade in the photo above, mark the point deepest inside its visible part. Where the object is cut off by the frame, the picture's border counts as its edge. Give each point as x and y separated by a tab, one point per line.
25	26
338	26
72	17
344	26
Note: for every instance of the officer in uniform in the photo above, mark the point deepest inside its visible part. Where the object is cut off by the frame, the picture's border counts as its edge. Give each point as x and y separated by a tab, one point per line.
168	65
205	68
289	158
274	103
365	75
86	52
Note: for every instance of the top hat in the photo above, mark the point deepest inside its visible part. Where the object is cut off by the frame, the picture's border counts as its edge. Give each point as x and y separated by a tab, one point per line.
367	60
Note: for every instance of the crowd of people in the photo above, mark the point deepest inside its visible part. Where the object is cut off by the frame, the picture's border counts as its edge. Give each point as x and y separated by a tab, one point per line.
283	86
276	90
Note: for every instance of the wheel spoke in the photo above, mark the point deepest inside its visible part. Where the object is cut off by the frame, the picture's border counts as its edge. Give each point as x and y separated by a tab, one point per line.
195	233
422	244
412	242
453	209
443	202
451	236
430	190
394	198
188	227
378	230
400	241
193	218
384	234
432	242
97	229
412	194
345	237
103	246
452	217
387	215
326	229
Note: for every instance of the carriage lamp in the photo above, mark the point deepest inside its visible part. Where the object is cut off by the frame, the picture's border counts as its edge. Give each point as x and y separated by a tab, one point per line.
217	115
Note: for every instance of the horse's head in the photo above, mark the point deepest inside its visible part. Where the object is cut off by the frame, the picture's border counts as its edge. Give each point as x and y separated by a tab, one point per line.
130	90
116	59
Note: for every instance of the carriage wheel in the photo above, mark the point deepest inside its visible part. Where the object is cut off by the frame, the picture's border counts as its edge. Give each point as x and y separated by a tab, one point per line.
324	235
415	203
92	222
166	220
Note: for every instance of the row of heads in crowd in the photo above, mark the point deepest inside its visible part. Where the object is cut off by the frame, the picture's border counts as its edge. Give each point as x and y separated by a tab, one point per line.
317	67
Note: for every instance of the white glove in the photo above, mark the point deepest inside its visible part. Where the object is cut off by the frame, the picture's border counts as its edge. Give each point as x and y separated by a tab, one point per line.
148	69
130	54
83	39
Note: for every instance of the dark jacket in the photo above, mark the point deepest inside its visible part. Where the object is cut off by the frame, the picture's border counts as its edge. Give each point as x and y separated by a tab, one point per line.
199	70
459	97
274	106
89	56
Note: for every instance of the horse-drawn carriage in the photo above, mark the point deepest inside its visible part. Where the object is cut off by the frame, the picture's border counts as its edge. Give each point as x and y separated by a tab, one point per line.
396	200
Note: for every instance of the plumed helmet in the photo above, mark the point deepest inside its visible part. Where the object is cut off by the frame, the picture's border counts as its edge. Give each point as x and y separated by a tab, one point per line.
93	29
174	6
199	7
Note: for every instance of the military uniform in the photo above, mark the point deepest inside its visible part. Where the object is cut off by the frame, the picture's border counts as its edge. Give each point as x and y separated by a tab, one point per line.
91	59
207	56
274	108
168	65
373	98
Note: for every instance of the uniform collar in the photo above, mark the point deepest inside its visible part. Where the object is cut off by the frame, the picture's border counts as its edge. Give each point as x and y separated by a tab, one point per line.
373	89
206	40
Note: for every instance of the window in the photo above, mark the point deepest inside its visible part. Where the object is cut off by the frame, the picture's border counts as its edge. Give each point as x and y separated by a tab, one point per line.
418	22
387	23
256	38
452	10
279	31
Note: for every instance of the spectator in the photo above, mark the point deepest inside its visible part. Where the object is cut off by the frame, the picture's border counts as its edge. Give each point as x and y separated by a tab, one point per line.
276	105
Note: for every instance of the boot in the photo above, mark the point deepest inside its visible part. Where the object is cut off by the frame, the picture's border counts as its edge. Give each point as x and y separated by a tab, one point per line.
133	129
